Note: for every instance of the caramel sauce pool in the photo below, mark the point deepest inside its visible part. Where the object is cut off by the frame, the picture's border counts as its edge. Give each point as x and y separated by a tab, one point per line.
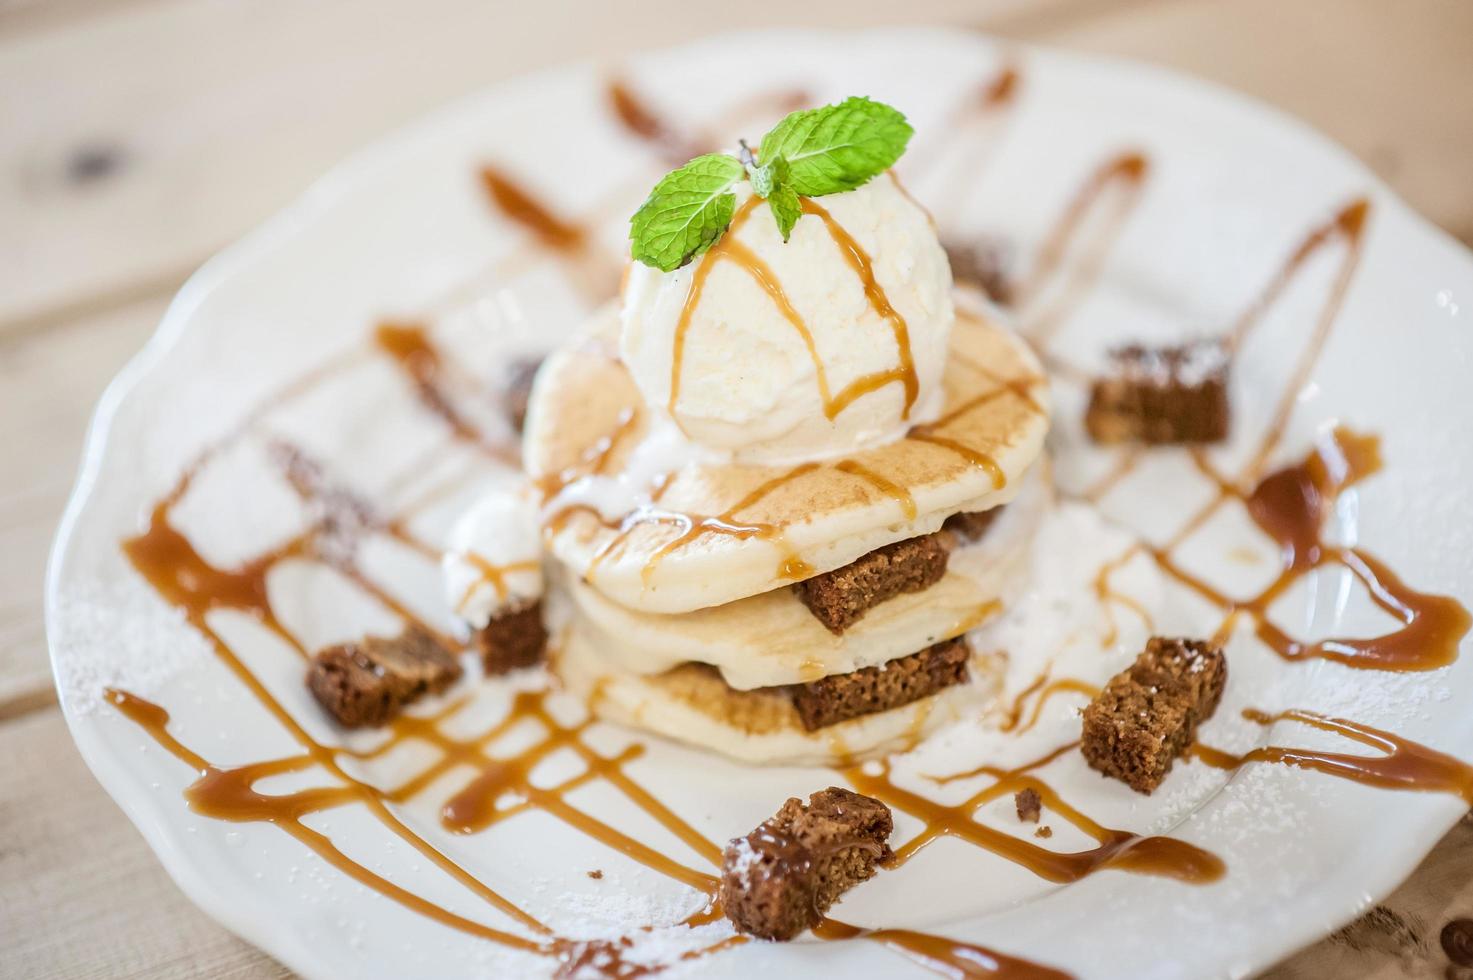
1291	505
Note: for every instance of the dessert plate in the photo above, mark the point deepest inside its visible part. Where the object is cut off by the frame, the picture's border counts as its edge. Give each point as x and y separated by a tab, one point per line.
274	472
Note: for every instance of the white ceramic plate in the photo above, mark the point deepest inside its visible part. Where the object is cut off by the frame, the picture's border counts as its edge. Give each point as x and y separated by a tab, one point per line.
1228	193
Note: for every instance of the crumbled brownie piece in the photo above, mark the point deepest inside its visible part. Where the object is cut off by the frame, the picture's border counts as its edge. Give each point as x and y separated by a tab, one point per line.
513	639
984	263
971	526
368	682
596	875
1148	714
782	877
840	697
840	598
1161	395
516	389
1029	805
1044	832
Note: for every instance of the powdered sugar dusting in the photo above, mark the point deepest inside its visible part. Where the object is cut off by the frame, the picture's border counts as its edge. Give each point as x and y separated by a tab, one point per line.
118	633
1190	364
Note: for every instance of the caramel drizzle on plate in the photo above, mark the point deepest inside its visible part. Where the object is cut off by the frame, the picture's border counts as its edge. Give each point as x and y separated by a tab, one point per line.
1403	764
502	786
517	204
1119	849
491	574
410	346
645	122
1126	173
1290	505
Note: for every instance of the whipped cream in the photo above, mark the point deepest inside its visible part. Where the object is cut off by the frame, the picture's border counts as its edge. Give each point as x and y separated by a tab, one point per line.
494	562
745	378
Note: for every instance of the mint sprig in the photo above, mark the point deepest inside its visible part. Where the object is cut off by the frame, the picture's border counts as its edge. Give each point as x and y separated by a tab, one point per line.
686	213
839	147
811	153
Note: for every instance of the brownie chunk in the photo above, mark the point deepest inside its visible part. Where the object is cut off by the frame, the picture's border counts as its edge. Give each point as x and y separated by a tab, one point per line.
984	263
971	526
840	697
1148	714
840	598
513	639
1029	805
782	877
516	389
1162	395
368	682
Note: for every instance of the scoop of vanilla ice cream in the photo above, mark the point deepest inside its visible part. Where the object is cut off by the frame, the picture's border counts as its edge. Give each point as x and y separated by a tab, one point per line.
748	382
494	560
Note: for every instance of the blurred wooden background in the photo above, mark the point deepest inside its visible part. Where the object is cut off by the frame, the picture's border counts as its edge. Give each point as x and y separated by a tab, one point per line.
139	136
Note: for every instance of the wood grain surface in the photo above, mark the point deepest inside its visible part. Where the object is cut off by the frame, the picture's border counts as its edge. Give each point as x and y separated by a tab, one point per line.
139	136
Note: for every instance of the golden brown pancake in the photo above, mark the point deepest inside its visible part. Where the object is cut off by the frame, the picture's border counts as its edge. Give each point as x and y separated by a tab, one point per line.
772	638
691	704
710	533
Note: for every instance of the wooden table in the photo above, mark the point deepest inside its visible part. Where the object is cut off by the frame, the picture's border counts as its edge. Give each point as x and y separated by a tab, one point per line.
139	136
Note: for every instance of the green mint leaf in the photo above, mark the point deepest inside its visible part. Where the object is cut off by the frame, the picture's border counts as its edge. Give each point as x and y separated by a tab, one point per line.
786	208
686	213
838	147
768	176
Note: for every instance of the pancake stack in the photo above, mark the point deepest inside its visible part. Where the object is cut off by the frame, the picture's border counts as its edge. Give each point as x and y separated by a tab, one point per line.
807	613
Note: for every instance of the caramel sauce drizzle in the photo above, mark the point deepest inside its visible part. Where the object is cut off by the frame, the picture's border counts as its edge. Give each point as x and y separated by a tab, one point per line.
410	347
711	259
976	457
491	574
646	123
525	210
726	523
1002	89
732	250
594	459
763	275
888	487
1403	764
1014	713
168	561
1109	597
1127	171
1290	506
502	787
643	121
1347	227
1119	849
947	957
859	261
1046	688
989	104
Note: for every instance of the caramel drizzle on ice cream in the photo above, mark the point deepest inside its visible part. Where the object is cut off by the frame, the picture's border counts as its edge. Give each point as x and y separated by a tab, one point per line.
729	249
859	261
